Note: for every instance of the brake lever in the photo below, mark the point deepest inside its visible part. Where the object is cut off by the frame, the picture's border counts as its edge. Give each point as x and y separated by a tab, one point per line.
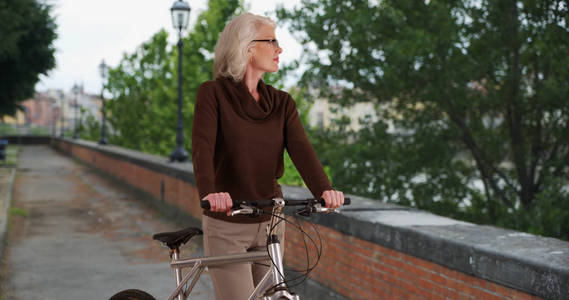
245	210
318	208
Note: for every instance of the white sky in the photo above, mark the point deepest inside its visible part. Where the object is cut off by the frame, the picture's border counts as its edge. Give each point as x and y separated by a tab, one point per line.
90	31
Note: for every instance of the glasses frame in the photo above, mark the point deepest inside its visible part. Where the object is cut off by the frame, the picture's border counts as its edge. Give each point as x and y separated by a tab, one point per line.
272	42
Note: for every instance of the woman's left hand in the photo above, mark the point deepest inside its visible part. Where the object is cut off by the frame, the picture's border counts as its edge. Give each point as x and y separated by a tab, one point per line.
333	198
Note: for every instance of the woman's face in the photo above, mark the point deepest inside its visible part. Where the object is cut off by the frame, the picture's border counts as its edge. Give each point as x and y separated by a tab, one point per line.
265	53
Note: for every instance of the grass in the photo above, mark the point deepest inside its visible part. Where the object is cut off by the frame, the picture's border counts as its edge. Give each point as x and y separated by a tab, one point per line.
12	153
7	129
29	129
16	211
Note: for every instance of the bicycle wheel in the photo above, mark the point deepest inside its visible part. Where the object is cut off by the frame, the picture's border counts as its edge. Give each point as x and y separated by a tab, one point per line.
132	294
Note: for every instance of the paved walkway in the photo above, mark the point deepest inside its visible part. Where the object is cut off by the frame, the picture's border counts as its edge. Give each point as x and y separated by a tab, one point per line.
75	235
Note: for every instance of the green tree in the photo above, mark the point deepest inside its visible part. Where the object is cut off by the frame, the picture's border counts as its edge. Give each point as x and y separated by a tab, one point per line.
26	51
89	127
143	111
472	97
291	175
143	108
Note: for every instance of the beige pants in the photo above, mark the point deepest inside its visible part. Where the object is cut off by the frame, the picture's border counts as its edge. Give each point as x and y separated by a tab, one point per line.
236	281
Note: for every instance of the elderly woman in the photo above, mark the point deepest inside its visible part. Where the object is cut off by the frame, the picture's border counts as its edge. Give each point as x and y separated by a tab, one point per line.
241	128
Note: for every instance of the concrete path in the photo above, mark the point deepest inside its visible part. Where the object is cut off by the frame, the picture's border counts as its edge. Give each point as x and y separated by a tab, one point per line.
75	235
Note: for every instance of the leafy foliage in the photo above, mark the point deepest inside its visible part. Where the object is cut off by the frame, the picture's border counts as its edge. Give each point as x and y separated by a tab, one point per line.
291	175
471	97
26	51
143	109
89	127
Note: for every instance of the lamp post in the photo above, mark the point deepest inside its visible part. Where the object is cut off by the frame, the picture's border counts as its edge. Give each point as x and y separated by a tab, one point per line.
104	72
53	117
75	91
180	16
61	124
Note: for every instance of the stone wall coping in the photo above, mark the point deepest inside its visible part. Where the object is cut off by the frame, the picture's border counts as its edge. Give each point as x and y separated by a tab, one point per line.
534	264
530	263
182	171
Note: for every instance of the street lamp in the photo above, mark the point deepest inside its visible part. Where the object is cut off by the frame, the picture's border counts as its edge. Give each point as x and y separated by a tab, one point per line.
61	124
53	117
75	91
180	16
104	72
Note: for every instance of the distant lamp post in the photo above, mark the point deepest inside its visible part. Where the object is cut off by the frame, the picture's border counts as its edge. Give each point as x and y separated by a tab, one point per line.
53	116
103	69
180	17
76	92
61	124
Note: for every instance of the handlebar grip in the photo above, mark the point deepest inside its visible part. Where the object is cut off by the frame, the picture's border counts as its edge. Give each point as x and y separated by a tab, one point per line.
347	201
205	204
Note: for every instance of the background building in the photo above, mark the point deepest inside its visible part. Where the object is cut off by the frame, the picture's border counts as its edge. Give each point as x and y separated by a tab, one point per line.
43	113
322	113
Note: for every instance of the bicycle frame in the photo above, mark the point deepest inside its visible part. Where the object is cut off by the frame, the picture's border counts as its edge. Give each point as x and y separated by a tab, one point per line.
271	287
198	265
273	278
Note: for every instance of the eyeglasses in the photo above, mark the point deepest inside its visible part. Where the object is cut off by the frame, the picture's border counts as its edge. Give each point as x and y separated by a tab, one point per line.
273	42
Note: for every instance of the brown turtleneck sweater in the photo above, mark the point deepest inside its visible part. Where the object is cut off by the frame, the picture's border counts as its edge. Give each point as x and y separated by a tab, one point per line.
238	144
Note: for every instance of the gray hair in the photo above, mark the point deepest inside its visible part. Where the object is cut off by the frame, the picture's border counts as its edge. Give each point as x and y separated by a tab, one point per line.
231	50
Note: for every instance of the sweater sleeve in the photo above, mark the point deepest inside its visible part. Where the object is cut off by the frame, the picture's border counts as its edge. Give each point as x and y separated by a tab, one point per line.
204	133
302	153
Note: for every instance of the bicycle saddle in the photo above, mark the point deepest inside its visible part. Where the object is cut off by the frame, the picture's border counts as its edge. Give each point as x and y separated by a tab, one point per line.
177	238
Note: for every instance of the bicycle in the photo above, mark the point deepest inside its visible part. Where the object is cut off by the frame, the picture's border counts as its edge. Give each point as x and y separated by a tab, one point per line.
272	286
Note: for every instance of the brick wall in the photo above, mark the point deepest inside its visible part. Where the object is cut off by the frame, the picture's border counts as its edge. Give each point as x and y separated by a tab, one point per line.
363	259
163	187
359	269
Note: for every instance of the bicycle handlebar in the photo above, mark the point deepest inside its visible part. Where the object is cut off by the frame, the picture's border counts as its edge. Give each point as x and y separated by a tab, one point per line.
269	203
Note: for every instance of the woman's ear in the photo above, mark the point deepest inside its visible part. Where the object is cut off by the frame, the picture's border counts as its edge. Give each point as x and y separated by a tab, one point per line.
250	54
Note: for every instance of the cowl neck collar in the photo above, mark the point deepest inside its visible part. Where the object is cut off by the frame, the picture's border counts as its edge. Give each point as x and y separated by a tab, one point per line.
244	103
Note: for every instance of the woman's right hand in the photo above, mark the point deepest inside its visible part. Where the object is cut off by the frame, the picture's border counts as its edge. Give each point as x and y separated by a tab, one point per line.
219	202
